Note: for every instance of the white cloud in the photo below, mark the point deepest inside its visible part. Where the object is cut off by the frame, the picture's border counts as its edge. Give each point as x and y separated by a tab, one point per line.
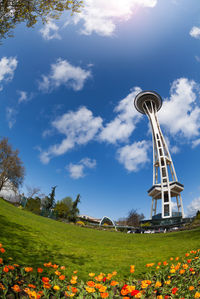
197	58
195	143
134	156
50	31
174	206
11	116
22	96
7	69
77	170
62	72
173	148
101	16
79	128
195	32
124	123
87	162
193	207
180	114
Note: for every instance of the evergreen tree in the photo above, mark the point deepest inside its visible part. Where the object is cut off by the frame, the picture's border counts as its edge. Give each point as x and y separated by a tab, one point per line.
50	200
75	210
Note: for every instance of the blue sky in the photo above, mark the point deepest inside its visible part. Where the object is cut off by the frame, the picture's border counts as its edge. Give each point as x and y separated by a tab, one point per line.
67	91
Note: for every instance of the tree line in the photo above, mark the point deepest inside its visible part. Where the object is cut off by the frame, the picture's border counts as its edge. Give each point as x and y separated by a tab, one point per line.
47	206
12	172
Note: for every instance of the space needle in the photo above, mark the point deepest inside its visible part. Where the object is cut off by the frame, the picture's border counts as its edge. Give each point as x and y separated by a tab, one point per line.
165	182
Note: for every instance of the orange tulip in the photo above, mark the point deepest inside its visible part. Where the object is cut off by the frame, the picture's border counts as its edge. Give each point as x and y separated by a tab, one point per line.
31	286
28	269
113	283
62	277
91	283
45	279
104	295
6	269
16	288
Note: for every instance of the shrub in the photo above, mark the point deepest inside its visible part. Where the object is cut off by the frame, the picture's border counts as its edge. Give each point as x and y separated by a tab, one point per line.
62	210
33	205
146	224
198	215
80	223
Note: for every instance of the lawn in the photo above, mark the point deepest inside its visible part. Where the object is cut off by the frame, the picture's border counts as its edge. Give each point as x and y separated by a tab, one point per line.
32	240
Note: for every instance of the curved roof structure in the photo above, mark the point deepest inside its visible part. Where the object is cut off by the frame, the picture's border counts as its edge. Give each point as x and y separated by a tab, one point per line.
105	217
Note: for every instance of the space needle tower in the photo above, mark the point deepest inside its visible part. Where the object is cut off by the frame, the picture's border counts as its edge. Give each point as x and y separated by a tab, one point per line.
165	182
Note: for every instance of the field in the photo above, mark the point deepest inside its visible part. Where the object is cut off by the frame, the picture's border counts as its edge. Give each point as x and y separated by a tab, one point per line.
32	240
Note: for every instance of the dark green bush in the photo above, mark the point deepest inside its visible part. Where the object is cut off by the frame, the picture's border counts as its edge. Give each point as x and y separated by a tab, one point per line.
33	205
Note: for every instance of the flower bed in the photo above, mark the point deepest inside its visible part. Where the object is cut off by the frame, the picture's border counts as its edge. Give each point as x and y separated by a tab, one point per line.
176	278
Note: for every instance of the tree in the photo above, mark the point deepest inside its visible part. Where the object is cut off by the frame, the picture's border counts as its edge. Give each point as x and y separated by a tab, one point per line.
198	215
134	218
50	200
13	12
33	205
68	202
63	207
11	167
62	210
33	191
75	211
122	221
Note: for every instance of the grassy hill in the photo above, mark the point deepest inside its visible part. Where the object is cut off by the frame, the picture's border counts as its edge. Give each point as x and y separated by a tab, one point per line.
32	240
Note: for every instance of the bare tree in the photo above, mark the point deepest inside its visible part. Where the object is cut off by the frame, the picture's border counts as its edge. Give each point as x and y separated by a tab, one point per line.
33	191
134	218
11	167
122	221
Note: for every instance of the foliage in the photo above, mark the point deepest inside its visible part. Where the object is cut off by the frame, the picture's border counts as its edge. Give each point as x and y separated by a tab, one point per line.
62	210
146	224
122	221
13	12
74	211
68	201
11	167
49	201
174	278
33	205
198	215
134	218
32	191
80	223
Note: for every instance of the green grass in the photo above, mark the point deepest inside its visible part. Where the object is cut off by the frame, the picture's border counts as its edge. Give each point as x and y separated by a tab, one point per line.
32	240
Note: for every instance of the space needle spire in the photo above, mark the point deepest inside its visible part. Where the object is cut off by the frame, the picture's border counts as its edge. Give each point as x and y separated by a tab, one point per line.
165	182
